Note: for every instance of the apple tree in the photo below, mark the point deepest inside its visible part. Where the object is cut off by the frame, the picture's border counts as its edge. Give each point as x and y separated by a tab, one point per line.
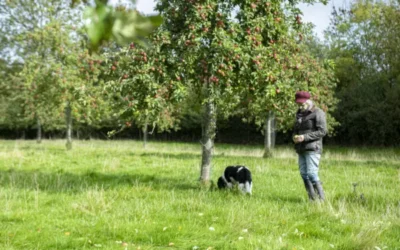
142	88
60	80
234	51
10	102
278	74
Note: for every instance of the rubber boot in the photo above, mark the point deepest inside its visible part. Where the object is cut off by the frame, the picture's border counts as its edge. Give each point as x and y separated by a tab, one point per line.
310	189
319	189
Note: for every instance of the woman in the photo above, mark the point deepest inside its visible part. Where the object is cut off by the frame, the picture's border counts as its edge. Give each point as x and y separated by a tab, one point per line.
309	130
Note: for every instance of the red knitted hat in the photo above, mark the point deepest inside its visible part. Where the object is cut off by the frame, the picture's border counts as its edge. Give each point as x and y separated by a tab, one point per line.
302	96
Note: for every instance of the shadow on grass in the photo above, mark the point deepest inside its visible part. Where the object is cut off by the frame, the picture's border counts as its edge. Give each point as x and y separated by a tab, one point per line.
170	155
57	182
282	200
42	147
186	156
365	164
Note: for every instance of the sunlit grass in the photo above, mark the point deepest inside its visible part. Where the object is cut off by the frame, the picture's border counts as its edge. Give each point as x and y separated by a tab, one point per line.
118	195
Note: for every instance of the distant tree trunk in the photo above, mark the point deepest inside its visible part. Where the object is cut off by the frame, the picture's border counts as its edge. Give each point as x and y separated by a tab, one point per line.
208	135
145	133
39	130
269	134
23	135
68	117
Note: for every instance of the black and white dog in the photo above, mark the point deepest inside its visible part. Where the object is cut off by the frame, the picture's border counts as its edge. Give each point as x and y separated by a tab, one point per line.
236	175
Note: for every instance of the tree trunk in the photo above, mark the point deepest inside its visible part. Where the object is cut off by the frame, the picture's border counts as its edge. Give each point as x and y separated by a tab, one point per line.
269	133
39	130
68	117
145	133
208	135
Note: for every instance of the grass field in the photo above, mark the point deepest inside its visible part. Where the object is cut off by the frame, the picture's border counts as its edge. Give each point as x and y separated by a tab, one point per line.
117	195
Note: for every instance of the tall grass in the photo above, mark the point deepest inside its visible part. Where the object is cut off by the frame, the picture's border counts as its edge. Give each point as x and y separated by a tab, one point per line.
117	195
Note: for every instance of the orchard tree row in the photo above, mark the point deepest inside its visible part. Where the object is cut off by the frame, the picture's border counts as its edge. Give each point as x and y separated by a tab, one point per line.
219	58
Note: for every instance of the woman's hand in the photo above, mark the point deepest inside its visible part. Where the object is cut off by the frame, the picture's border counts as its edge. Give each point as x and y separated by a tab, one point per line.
298	138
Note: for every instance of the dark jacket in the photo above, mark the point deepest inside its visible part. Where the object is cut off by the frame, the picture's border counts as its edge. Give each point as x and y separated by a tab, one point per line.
312	125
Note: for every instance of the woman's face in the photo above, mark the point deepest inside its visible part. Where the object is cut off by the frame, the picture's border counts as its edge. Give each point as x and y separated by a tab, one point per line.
303	106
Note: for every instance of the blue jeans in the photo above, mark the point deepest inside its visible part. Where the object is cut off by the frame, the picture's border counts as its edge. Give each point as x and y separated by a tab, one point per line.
308	165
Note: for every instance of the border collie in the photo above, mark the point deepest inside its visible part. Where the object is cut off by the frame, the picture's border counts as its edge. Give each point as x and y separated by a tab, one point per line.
236	175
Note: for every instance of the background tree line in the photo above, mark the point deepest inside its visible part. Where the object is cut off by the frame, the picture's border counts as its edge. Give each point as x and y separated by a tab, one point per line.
364	42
